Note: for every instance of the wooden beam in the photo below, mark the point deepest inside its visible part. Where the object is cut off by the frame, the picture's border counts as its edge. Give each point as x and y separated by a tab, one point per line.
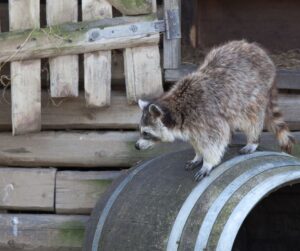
84	149
142	73
78	192
72	38
27	189
172	47
286	79
132	7
72	113
25	76
97	65
64	72
37	232
76	149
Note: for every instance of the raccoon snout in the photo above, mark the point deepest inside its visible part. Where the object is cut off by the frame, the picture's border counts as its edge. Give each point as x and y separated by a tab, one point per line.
137	146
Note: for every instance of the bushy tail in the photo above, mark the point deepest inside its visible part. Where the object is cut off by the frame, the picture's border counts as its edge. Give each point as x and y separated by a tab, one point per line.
276	124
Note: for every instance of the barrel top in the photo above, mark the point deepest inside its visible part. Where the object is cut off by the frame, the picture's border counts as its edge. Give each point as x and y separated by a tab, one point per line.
159	205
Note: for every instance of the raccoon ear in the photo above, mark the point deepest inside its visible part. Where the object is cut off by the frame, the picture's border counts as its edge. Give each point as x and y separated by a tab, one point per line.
142	104
155	110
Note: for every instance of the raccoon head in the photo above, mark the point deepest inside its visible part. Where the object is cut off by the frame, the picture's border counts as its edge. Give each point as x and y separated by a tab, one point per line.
155	126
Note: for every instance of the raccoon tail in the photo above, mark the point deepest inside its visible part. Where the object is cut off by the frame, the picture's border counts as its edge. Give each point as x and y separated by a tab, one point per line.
276	124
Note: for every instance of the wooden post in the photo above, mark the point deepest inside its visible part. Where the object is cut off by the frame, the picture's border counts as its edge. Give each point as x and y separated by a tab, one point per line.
142	73
97	65
143	76
64	73
172	47
25	75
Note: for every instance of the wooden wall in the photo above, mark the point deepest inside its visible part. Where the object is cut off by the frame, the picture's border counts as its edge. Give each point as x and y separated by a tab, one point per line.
273	23
50	181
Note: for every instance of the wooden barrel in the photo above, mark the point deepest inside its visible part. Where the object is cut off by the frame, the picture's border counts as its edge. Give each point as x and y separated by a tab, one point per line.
158	206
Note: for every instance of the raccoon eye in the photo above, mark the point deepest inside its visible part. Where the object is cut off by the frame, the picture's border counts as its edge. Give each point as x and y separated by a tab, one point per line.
146	134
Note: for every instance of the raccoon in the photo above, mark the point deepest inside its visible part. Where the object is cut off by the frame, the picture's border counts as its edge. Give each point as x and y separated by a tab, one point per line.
234	89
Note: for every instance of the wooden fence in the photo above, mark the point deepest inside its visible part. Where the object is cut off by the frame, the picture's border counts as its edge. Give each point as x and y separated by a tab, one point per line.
50	180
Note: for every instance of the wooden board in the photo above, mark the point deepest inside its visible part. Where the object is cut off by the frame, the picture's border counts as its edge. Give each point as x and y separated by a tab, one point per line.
78	192
76	149
63	70
97	65
27	189
37	232
85	149
77	38
172	47
142	73
286	79
72	113
25	76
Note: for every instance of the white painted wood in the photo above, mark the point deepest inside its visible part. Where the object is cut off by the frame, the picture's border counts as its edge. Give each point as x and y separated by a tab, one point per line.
64	69
25	75
27	188
142	73
78	192
97	65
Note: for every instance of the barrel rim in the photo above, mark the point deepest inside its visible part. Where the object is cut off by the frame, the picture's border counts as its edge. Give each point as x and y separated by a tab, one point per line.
243	208
214	210
195	194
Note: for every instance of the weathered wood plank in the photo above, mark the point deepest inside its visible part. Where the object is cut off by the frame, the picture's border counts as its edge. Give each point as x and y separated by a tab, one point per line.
85	149
78	192
172	47
25	76
286	79
76	149
97	65
142	73
73	38
27	189
74	114
132	7
41	232
63	70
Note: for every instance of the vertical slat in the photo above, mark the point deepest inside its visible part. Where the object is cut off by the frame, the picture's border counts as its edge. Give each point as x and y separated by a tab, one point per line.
142	73
97	65
172	47
143	76
63	69
25	75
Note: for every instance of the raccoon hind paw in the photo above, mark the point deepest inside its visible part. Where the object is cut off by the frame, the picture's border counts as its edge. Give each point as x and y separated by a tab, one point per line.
191	165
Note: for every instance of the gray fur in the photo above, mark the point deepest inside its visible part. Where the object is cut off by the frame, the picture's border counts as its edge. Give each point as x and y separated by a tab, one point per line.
230	91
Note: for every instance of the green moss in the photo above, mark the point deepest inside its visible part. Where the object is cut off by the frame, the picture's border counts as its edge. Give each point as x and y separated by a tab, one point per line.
129	4
296	150
72	233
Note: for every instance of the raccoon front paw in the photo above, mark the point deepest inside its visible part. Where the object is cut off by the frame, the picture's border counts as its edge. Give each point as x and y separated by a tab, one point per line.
190	165
204	171
201	174
249	148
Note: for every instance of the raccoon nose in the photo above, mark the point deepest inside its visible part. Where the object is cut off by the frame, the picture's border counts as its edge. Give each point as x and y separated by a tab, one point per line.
137	147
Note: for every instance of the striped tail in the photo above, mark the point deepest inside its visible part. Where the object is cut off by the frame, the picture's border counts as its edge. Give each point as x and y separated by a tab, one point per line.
276	124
